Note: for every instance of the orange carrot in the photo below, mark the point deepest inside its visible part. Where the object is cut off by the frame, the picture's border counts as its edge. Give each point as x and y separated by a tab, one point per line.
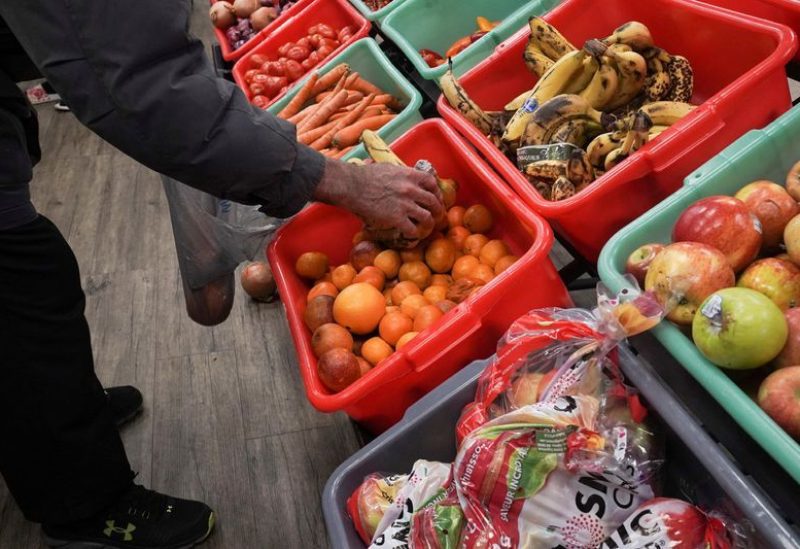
325	110
330	79
297	118
352	78
351	117
364	86
383	99
349	136
300	98
374	111
352	96
312	135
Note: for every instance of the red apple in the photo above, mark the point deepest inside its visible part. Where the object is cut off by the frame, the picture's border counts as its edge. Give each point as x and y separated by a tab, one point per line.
793	181
639	261
779	397
790	355
773	207
725	223
791	238
777	279
785	257
683	274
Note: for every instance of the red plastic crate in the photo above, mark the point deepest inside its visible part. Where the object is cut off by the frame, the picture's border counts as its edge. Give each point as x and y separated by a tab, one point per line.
229	54
786	12
336	13
469	331
740	80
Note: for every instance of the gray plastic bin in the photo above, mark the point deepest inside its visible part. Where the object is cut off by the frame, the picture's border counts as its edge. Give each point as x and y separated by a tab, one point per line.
696	468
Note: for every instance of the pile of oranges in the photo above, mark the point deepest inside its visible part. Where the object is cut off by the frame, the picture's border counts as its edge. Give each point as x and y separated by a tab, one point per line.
361	312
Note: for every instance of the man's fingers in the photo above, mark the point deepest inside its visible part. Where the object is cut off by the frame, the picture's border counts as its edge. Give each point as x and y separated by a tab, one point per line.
422	216
429	202
428	182
407	229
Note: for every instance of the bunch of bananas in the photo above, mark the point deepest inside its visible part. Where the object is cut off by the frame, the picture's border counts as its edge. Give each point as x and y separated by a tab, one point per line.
609	98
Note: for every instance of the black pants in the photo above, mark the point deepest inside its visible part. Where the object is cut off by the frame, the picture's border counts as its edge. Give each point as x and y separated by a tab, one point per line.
60	452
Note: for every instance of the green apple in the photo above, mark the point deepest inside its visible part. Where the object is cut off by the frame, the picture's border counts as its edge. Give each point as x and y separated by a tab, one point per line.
739	328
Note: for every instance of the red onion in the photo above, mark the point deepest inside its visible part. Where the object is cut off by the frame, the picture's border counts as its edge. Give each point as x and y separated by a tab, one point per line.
221	14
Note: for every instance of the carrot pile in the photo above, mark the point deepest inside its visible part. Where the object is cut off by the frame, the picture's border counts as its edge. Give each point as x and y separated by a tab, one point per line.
331	111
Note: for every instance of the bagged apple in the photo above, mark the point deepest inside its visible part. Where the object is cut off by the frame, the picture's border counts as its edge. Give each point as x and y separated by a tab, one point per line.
370	501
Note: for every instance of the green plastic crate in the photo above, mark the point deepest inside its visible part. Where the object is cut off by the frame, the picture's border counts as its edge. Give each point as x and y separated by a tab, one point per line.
377	15
759	154
436	24
366	57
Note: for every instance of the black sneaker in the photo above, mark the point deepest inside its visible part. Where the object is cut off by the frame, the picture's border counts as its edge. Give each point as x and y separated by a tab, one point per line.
141	519
61	106
125	403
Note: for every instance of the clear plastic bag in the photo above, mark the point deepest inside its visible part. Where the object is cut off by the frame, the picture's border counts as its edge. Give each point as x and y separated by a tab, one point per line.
212	237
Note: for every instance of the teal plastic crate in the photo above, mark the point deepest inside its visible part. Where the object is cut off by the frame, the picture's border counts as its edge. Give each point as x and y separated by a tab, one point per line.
366	57
436	24
377	15
759	154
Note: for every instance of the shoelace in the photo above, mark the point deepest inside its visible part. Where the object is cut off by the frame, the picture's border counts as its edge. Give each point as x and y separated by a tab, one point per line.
146	504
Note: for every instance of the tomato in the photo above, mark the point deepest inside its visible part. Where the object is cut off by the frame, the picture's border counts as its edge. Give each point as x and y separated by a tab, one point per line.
314	57
324	51
260	101
286	47
273	85
298	53
332	44
261	78
294	70
345	33
257	88
313	30
259	59
305	42
432	58
307	65
326	31
248	76
315	39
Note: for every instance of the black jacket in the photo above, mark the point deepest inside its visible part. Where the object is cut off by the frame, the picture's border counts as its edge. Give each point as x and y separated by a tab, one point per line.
132	73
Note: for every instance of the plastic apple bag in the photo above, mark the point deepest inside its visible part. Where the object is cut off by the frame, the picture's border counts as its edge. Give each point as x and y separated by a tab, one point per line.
212	237
439	523
370	501
549	353
427	482
520	485
674	523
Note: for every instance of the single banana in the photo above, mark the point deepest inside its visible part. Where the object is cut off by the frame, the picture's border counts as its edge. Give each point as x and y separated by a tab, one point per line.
632	70
682	79
633	34
579	170
552	114
516	103
636	138
601	146
565	72
666	113
549	170
605	82
378	150
460	101
562	189
543	187
536	61
577	131
658	82
590	67
548	40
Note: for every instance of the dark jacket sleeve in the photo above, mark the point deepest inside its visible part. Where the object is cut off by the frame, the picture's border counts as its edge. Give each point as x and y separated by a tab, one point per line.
131	72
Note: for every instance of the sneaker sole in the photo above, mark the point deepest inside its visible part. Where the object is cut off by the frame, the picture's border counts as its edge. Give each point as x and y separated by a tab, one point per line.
64	544
130	417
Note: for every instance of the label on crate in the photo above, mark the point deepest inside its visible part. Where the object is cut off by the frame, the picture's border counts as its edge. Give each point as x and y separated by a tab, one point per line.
556	151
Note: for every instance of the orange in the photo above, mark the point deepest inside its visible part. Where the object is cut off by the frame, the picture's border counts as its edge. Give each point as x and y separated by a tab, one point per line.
373	276
417	272
458	235
426	316
412	304
393	326
474	243
402	290
434	294
414	254
492	251
392	309
464	266
405	339
455	216
388	261
448	187
323	288
359	308
343	275
483	272
504	263
375	349
441	280
440	255
312	265
478	219
330	336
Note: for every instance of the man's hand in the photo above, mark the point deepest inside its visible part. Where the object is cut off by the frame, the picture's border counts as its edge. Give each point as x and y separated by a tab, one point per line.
383	195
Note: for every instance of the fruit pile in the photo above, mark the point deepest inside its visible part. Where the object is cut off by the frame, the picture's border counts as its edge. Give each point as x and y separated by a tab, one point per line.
243	19
266	79
434	59
727	277
375	5
331	111
362	311
590	109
